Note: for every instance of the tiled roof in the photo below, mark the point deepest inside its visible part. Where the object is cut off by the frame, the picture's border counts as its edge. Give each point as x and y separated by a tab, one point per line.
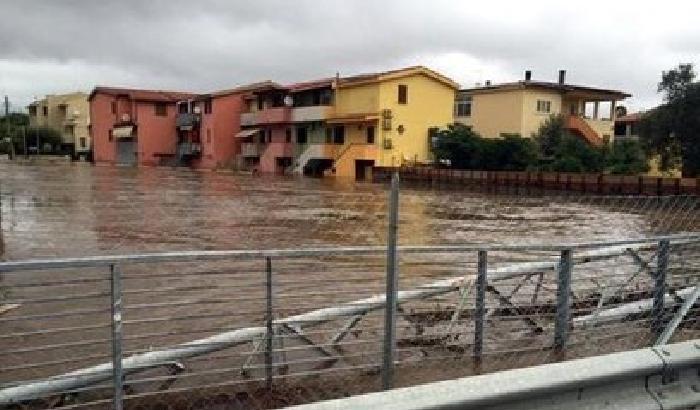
370	77
630	117
548	85
310	85
144	95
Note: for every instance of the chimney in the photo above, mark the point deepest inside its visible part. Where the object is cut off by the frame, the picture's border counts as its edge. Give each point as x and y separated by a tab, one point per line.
528	75
562	76
488	83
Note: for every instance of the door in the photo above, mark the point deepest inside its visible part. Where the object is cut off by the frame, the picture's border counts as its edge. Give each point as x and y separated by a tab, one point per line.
126	151
363	169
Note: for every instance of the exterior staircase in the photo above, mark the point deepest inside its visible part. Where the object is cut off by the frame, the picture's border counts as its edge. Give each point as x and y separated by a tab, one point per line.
313	151
580	127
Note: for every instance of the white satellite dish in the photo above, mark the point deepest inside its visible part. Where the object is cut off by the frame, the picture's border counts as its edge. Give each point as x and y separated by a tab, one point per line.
288	100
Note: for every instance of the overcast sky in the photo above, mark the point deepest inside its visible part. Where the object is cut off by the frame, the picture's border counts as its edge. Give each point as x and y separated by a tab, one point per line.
59	46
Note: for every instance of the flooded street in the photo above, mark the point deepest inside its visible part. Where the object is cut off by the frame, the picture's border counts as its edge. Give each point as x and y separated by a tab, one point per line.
57	320
78	210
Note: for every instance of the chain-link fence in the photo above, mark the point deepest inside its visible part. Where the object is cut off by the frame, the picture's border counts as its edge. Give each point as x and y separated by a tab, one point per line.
572	276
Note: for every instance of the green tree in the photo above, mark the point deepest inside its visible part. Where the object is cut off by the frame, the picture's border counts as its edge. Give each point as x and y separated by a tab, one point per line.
561	151
463	148
627	158
459	146
672	130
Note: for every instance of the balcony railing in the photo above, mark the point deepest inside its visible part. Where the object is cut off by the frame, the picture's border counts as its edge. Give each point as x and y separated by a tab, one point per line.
275	115
312	113
187	120
249	149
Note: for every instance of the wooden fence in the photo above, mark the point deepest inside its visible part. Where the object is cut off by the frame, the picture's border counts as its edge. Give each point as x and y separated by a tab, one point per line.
563	181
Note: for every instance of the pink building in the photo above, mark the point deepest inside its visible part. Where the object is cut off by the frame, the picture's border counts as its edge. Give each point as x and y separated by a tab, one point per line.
214	121
131	127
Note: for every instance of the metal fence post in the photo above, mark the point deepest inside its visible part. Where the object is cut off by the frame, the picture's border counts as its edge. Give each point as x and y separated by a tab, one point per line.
480	311
117	371
657	310
563	314
391	287
268	323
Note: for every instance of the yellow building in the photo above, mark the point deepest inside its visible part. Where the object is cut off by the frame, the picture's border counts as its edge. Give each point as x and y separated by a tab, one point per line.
521	107
385	119
343	126
69	114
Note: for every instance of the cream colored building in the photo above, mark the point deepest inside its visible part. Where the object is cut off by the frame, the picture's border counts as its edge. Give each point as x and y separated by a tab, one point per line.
67	113
521	107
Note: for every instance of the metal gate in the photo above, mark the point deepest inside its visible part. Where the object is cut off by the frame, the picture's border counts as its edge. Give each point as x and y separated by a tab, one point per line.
126	151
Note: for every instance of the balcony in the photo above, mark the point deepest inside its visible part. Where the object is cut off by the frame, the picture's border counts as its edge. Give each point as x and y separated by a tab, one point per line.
311	113
189	149
275	115
187	121
249	149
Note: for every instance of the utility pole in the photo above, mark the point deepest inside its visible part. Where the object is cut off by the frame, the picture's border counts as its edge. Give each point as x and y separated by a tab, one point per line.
7	127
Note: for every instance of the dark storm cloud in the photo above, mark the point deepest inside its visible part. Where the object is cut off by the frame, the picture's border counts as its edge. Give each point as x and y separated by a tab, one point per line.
53	46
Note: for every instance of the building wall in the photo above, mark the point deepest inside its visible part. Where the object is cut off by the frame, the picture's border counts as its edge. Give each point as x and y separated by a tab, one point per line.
156	135
218	132
101	122
531	118
276	148
357	100
496	113
430	104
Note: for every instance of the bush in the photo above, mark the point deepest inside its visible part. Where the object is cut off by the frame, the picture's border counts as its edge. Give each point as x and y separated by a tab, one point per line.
627	157
465	149
553	149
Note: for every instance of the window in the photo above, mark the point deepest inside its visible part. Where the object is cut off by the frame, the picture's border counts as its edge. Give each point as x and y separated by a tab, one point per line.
114	107
544	106
288	135
207	106
403	94
605	110
83	142
109	136
208	135
182	107
339	134
463	106
69	130
269	135
261	103
302	136
45	110
329	135
32	110
161	109
370	134
589	109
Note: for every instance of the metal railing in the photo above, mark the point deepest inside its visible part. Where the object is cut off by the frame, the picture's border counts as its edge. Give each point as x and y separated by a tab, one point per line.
268	328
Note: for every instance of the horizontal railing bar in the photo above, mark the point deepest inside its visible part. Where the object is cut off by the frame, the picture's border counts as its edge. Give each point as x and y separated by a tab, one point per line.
183	256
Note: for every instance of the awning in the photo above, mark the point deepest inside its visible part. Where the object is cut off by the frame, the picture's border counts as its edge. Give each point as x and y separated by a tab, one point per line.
123	132
247	133
353	119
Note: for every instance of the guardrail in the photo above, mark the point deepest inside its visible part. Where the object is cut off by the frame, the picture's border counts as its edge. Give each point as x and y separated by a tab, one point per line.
652	378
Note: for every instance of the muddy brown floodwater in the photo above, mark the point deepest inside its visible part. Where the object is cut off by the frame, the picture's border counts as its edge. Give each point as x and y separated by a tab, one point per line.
75	210
61	322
